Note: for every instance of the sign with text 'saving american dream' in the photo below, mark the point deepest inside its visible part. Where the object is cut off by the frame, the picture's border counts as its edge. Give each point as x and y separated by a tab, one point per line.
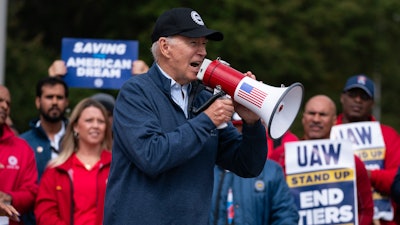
98	63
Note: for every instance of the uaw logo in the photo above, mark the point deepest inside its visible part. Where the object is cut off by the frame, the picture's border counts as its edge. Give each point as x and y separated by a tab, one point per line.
12	163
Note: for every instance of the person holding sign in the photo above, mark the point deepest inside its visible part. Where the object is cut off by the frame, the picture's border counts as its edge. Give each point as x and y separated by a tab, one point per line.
58	68
163	153
357	101
318	118
18	172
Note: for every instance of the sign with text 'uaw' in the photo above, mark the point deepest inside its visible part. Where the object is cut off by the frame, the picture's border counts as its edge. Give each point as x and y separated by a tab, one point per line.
369	145
321	177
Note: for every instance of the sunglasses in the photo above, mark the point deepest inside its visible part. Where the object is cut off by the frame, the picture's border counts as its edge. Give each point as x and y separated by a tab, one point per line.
358	93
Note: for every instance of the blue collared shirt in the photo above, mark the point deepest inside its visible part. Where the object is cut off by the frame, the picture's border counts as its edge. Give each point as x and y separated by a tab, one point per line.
179	93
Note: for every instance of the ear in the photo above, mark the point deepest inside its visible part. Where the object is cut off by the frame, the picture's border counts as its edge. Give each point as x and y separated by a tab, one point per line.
164	46
37	102
66	103
334	118
372	104
341	98
75	128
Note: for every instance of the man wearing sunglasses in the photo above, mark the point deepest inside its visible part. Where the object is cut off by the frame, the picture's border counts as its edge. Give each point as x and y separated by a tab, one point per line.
357	101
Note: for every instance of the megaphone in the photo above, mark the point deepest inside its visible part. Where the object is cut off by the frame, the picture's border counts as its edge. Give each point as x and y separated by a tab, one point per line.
277	106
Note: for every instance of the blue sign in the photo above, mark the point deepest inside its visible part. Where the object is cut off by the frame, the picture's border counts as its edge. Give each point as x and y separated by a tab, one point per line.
321	177
369	146
98	63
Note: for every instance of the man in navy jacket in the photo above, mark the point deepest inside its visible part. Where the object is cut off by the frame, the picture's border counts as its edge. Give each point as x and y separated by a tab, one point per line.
163	153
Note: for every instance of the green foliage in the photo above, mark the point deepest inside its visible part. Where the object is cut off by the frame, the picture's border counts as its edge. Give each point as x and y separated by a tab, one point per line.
317	43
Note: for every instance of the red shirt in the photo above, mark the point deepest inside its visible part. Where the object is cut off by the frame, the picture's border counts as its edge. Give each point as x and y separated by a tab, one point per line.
273	144
55	202
18	172
85	182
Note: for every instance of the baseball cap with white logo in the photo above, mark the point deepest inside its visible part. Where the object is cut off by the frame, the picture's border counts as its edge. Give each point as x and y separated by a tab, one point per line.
360	81
185	22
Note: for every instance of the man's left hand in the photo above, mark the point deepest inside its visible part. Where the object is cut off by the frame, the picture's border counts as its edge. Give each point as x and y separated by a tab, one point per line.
247	115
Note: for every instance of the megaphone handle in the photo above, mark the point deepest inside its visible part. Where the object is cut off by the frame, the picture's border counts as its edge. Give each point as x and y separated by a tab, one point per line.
208	103
217	91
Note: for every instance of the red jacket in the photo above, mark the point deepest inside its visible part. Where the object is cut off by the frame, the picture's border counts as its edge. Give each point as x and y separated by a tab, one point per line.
18	173
382	179
54	203
288	136
364	194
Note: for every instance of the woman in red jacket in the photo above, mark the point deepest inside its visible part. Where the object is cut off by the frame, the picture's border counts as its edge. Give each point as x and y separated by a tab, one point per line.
72	188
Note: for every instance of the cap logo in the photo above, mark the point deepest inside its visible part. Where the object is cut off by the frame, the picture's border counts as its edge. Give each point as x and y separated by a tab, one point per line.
361	80
197	18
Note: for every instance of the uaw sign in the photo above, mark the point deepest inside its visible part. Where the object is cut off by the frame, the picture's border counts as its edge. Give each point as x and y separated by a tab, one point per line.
4	220
321	177
98	63
369	146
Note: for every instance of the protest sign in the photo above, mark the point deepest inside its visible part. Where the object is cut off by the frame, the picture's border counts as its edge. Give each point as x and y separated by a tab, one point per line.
98	63
369	146
321	177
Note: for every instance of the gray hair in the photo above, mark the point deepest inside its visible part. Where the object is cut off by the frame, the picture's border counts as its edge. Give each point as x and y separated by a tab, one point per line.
155	47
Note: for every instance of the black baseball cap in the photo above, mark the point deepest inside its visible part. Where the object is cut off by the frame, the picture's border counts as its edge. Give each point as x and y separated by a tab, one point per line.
185	22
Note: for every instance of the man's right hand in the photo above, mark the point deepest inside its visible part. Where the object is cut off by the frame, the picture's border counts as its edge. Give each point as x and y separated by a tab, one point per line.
220	111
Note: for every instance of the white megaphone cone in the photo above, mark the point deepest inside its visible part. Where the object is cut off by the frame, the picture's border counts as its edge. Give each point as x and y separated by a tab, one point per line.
277	106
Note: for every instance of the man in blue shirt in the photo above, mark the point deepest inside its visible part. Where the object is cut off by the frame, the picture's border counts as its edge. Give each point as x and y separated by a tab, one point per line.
163	153
47	131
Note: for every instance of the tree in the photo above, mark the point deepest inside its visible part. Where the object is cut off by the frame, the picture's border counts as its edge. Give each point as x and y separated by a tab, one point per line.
317	43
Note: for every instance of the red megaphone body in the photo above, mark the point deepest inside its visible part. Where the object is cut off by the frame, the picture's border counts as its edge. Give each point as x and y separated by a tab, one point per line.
277	106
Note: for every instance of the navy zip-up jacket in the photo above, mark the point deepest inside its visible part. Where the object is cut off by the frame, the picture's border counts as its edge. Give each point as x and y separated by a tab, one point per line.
162	162
262	200
40	143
